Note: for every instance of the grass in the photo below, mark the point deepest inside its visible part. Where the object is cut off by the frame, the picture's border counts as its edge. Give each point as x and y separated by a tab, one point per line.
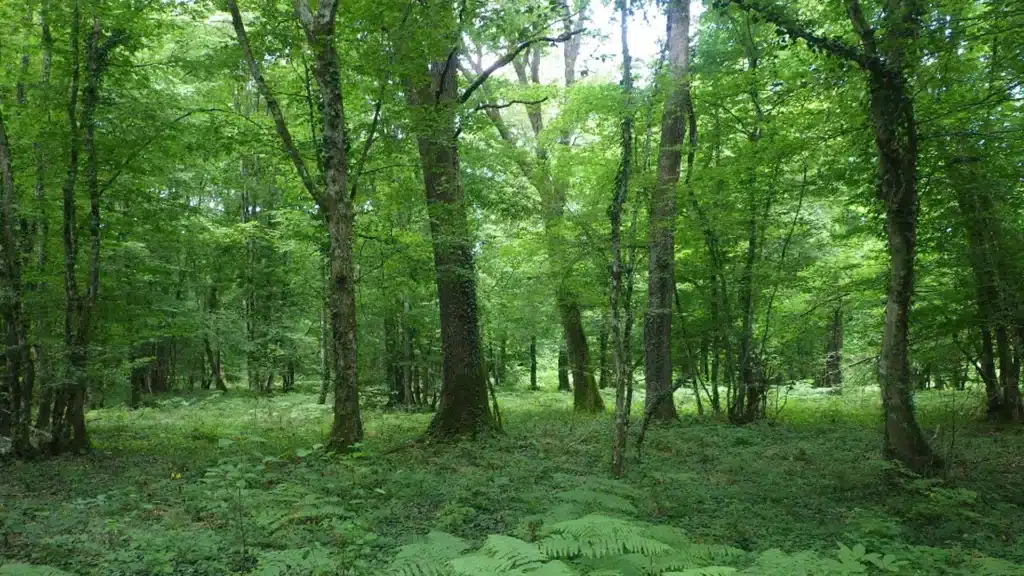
238	484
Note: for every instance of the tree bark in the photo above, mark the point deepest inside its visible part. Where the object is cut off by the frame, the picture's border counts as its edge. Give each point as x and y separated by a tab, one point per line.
552	190
563	370
833	374
995	314
619	296
16	416
326	349
333	198
662	219
463	408
892	112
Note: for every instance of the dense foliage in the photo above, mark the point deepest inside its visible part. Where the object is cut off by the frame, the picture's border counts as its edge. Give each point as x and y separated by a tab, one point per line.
220	217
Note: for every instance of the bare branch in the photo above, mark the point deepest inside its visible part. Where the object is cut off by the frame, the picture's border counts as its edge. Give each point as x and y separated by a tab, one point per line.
509	57
508	104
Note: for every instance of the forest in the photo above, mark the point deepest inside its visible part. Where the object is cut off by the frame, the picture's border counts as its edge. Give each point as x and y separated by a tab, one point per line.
511	287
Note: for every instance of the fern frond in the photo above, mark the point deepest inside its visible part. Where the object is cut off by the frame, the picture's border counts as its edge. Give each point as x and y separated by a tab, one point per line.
512	552
429	556
599	536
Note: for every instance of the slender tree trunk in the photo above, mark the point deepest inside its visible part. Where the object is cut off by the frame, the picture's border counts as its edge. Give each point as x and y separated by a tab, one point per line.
16	416
896	140
334	198
833	374
533	362
604	367
325	355
662	220
407	353
553	192
563	370
212	350
619	332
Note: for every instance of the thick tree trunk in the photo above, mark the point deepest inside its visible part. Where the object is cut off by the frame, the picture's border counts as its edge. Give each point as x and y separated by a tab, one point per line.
347	428
463	408
585	395
662	220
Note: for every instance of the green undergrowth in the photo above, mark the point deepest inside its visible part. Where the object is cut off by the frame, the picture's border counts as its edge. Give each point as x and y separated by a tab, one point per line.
238	484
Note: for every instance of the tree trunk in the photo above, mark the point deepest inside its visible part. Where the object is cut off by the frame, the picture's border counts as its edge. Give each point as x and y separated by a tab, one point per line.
533	362
585	395
334	199
604	367
407	354
833	374
463	406
620	330
16	416
662	220
325	355
896	141
563	370
553	191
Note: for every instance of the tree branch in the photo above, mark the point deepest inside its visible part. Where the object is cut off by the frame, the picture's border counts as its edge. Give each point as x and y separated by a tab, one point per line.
508	104
795	29
369	143
509	57
272	104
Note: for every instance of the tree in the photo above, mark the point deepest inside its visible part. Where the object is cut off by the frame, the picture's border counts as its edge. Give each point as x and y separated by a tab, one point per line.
333	196
662	217
886	57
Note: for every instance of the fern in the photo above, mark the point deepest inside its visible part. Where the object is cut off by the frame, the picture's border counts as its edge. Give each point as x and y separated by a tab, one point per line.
512	552
592	500
430	556
597	536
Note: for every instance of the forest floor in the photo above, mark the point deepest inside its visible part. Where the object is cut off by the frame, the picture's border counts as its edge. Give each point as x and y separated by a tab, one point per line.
239	484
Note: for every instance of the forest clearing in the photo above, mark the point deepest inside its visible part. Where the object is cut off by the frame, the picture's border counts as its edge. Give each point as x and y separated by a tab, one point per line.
511	287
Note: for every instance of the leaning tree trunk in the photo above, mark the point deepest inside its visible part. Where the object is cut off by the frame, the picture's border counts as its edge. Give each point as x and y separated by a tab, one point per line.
662	222
553	191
